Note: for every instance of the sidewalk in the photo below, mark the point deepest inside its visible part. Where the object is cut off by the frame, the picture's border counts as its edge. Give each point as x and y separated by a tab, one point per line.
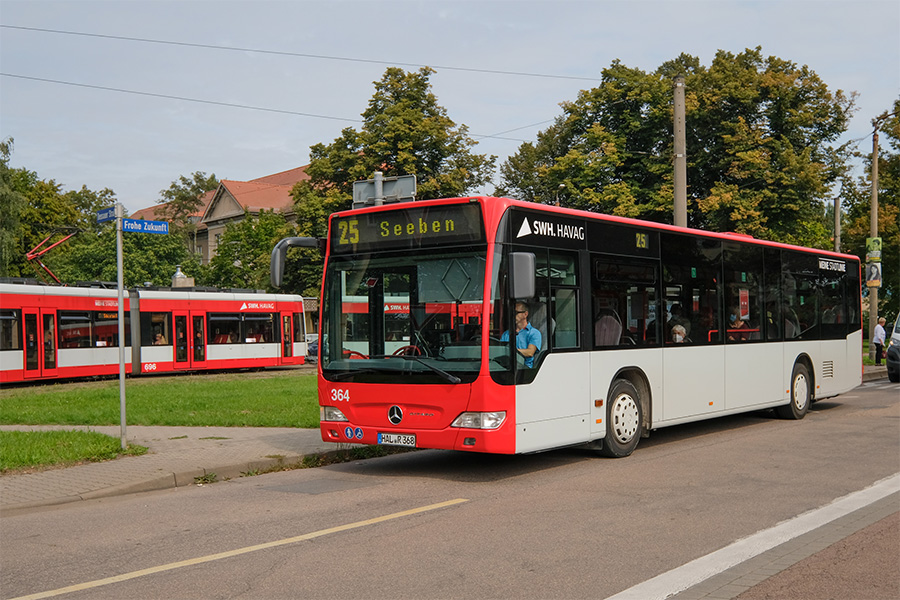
177	455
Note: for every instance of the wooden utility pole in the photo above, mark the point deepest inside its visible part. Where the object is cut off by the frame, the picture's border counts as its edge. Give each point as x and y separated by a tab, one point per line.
873	232
680	178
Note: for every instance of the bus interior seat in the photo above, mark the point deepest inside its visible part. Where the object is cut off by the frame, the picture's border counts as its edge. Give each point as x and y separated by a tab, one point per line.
540	321
607	328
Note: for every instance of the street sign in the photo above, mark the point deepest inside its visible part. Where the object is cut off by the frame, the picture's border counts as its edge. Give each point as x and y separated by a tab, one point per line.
106	214
394	189
140	226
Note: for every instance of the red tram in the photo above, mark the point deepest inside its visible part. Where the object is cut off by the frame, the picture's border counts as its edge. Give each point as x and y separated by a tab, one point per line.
49	332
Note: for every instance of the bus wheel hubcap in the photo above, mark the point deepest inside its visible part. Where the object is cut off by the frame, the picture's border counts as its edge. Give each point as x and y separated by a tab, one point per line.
624	418
800	392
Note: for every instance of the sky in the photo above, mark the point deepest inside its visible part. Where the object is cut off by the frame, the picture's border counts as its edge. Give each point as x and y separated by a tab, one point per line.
242	89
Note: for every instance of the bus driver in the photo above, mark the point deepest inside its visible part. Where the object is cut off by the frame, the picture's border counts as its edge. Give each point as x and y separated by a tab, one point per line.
528	338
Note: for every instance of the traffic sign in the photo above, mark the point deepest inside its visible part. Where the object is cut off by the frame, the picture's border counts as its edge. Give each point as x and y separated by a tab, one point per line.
140	226
106	214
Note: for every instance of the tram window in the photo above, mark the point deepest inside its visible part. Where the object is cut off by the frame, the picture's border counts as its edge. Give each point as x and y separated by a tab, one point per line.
156	329
299	336
74	329
10	330
224	328
106	329
259	328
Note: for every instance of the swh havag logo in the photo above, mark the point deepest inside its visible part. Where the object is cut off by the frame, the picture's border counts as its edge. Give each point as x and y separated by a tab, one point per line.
547	229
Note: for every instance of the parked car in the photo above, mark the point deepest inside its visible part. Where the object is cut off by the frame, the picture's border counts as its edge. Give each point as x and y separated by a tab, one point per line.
893	353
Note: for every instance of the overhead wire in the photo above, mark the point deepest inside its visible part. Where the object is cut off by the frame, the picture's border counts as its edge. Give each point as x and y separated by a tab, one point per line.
498	135
300	54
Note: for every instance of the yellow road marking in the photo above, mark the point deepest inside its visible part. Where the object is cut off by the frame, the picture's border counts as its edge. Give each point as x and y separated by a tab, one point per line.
237	552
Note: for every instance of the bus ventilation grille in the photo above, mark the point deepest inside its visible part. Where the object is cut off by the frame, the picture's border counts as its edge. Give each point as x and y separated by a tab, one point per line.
828	368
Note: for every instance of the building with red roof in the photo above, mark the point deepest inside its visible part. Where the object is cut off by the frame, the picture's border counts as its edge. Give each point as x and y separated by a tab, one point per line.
230	202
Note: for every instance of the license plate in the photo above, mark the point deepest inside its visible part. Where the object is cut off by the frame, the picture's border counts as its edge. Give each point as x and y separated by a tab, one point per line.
397	439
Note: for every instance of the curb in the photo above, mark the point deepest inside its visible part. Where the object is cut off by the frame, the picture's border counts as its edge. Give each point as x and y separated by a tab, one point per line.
181	479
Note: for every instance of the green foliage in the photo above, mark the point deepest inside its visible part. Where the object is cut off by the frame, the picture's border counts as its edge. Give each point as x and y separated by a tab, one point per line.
182	199
244	251
405	132
12	204
146	258
759	147
856	199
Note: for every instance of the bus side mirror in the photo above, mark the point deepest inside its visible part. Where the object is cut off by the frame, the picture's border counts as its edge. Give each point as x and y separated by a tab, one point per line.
521	271
280	250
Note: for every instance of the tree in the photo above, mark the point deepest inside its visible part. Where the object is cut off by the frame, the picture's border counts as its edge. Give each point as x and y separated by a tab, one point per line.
147	258
182	199
760	134
404	132
856	197
244	251
12	204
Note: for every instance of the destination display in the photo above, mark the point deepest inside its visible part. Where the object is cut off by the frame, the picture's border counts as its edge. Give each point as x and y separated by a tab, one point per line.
408	228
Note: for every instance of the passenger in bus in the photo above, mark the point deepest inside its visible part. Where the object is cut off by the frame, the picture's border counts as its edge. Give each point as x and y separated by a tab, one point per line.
678	318
679	335
528	338
735	325
159	340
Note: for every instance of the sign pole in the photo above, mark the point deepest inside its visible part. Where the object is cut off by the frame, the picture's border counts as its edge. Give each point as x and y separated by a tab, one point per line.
121	291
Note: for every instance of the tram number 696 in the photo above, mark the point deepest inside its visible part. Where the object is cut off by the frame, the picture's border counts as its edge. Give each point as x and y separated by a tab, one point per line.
340	395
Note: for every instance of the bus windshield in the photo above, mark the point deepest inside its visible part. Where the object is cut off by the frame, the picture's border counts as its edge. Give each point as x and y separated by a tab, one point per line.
404	317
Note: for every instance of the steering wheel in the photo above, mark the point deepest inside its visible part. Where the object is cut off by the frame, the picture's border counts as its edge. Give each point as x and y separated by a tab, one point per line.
354	355
411	350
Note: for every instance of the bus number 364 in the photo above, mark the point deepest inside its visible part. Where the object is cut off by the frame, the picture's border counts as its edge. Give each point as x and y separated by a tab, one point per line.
340	395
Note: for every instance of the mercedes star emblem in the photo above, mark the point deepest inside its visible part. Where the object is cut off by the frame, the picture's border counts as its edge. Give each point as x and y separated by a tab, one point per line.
395	415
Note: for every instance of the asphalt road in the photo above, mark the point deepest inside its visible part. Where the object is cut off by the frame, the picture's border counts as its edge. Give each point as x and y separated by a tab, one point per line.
434	524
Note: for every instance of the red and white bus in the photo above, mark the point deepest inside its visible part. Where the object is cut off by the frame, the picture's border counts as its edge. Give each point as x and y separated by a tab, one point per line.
53	332
642	326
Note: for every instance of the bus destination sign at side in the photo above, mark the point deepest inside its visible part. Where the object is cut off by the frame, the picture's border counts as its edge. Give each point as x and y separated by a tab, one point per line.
409	228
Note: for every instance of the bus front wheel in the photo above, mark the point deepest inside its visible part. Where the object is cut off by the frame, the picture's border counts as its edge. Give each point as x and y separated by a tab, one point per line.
801	394
623	420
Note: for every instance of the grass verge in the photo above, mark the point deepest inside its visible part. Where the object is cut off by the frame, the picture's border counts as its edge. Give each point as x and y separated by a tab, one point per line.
270	399
26	450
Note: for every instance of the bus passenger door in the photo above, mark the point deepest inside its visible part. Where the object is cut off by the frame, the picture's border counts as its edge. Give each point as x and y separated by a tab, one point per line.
198	337
181	341
287	339
40	343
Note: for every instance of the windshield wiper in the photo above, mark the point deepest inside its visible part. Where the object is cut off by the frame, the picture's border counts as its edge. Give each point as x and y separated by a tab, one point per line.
448	376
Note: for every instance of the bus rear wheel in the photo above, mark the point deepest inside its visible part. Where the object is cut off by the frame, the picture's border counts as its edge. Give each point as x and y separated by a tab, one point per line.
801	394
623	420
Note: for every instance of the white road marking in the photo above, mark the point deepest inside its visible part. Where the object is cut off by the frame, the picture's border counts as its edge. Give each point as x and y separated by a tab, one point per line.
237	552
701	569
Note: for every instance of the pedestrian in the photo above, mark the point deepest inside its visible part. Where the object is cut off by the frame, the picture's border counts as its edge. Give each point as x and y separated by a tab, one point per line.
878	340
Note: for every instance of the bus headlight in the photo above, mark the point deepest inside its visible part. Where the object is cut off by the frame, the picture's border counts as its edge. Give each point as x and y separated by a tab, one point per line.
480	420
330	413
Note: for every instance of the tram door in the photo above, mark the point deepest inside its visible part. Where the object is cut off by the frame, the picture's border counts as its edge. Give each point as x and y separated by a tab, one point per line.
182	335
287	338
190	340
198	337
40	343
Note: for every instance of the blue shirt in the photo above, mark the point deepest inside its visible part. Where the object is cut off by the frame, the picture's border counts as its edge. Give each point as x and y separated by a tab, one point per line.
524	338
